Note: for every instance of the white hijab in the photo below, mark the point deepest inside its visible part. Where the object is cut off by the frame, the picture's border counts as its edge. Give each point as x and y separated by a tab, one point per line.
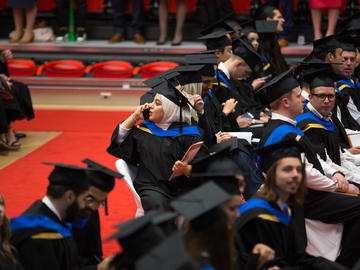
172	113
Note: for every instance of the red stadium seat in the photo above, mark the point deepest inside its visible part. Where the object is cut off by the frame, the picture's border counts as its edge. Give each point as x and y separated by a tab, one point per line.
21	67
113	69
154	68
63	68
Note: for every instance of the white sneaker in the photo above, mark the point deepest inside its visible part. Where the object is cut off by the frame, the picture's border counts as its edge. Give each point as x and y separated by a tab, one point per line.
81	37
62	38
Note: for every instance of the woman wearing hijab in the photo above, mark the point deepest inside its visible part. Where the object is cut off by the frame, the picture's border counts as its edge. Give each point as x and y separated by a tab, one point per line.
156	144
8	259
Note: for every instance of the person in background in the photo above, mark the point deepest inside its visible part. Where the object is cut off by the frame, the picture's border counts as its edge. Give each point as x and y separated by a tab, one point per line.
21	7
316	8
8	260
118	11
163	21
62	18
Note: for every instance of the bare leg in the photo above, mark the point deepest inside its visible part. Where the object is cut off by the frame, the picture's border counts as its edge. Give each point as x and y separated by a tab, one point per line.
316	21
163	17
180	19
18	14
30	21
333	15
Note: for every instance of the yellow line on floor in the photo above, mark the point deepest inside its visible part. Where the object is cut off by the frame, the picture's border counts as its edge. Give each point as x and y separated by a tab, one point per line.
84	107
32	141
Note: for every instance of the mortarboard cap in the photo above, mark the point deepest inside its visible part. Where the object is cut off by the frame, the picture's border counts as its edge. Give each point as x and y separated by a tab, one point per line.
160	78
169	254
189	74
230	20
68	175
199	201
278	86
248	27
325	44
347	43
201	58
264	11
101	177
350	23
274	152
266	29
243	48
217	35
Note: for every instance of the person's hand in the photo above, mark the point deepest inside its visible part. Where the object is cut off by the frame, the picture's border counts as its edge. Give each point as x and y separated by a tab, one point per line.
264	118
229	106
5	55
243	122
341	182
258	82
354	150
198	104
105	263
180	168
353	189
222	136
138	114
265	254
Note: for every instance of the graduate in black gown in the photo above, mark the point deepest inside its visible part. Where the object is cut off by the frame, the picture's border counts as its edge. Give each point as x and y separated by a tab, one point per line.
8	253
267	218
86	228
155	144
42	234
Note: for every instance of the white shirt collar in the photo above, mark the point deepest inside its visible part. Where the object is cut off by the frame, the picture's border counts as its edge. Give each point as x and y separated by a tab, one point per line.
276	116
222	67
305	94
280	204
317	114
50	205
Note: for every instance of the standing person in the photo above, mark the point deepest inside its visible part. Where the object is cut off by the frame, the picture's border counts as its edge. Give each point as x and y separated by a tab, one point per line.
21	7
42	234
287	8
267	218
316	8
62	18
163	21
118	11
8	253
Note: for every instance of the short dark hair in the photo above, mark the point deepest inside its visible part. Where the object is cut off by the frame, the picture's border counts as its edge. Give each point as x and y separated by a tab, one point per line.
323	53
57	191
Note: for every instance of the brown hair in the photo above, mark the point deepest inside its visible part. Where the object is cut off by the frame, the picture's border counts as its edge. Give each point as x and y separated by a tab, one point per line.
215	238
269	193
7	248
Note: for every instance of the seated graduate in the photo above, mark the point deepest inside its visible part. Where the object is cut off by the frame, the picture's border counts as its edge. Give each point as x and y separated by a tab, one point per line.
86	228
318	122
156	144
42	234
8	253
267	217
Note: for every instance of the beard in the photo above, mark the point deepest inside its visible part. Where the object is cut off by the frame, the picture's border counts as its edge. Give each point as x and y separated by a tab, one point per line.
72	211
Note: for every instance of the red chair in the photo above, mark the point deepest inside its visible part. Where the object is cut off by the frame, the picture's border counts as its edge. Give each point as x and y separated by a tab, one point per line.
63	68
113	69
21	67
154	68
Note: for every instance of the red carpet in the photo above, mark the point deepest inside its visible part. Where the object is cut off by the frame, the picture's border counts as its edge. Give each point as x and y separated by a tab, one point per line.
85	134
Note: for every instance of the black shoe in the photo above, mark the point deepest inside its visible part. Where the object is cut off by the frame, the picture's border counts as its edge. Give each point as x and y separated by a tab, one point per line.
176	44
19	135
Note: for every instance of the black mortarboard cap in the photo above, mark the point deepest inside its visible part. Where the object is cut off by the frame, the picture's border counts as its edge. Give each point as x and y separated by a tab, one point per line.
266	29
325	44
230	20
264	11
169	254
189	74
160	78
279	86
199	201
201	58
248	27
217	35
347	43
243	48
101	177
272	153
68	175
350	23
311	64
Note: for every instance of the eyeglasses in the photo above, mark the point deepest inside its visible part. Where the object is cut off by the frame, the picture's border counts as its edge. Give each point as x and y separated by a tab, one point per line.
322	97
91	201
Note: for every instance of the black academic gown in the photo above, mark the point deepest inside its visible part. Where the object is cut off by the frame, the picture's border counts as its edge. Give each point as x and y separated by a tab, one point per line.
41	247
7	264
344	90
322	133
277	230
88	240
155	156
